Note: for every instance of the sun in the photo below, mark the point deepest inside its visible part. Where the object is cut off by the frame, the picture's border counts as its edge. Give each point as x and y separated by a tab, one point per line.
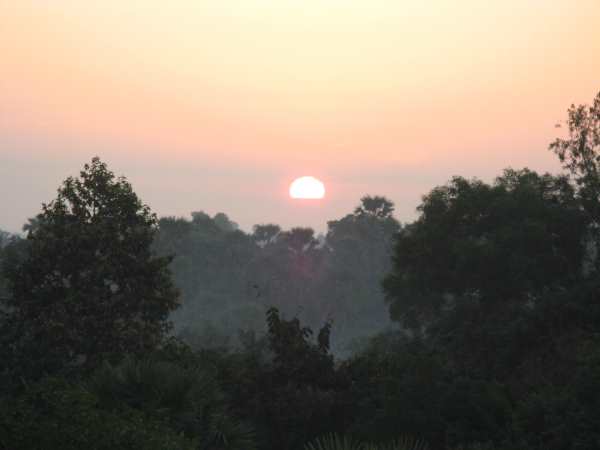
307	187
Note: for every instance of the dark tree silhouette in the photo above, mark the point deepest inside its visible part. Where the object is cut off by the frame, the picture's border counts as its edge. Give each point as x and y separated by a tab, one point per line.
376	206
580	152
493	243
90	285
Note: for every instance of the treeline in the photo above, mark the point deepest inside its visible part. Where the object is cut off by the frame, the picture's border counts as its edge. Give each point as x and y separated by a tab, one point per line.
228	278
494	288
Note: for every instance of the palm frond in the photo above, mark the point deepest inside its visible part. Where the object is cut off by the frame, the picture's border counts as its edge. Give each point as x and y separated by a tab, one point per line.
337	442
334	442
404	443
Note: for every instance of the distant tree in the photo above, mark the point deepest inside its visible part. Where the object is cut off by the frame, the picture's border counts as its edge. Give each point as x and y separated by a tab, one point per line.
376	206
90	285
371	228
210	269
299	239
204	224
361	246
5	238
223	222
580	152
31	224
265	234
200	216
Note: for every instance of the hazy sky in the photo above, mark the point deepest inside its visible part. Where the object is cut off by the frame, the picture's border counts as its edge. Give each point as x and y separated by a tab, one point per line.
218	105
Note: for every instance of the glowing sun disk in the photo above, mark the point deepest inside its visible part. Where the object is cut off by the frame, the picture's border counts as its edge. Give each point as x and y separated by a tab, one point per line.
307	187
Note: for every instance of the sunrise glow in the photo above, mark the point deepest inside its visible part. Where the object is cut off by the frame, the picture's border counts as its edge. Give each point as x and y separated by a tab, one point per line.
193	99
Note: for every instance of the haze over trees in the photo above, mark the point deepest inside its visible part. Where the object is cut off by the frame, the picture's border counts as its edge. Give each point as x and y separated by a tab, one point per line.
474	327
229	278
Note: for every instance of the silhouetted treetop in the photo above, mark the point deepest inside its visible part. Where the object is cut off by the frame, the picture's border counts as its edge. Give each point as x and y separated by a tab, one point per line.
265	234
580	152
376	206
511	239
90	285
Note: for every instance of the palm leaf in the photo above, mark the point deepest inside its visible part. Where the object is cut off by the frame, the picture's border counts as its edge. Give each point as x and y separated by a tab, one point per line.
334	442
337	442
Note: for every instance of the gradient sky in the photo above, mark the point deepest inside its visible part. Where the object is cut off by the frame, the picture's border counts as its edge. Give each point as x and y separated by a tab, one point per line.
218	105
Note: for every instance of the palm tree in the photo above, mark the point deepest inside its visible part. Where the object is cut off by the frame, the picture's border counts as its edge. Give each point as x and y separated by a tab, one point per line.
189	399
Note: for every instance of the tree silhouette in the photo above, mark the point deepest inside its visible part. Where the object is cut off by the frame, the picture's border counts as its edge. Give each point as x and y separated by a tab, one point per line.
580	151
90	285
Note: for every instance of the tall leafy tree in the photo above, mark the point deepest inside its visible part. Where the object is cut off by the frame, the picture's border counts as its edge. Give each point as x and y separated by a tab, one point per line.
492	243
580	152
483	261
90	286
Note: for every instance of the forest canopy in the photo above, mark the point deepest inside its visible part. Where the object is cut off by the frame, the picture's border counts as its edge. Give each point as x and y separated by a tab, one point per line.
476	326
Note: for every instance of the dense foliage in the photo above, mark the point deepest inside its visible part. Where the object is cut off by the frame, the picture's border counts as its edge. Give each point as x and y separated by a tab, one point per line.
88	285
493	291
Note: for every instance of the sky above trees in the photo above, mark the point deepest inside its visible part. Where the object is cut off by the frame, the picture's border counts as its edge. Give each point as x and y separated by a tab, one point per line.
219	105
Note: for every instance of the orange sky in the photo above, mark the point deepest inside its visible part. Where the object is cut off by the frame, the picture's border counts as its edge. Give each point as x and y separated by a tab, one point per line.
217	105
